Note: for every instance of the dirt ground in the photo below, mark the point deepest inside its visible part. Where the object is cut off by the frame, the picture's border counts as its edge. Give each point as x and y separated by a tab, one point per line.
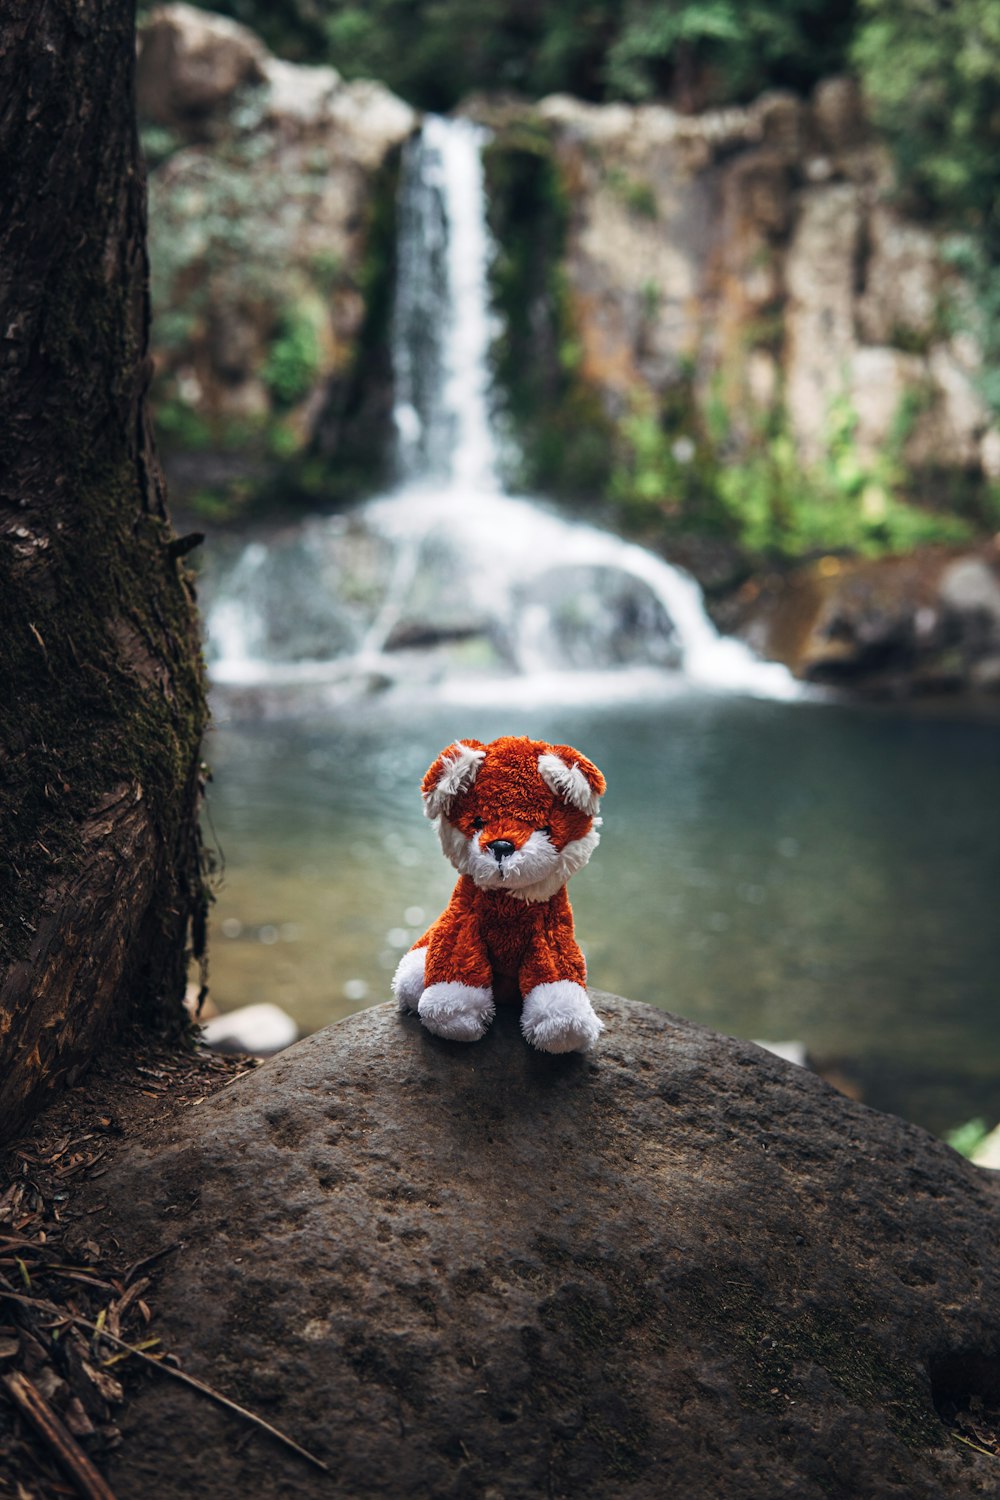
66	1293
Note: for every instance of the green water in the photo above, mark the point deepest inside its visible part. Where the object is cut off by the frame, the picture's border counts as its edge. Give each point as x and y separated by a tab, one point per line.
796	872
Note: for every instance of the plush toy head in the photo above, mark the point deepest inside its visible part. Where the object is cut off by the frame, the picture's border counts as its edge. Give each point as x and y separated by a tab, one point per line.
517	815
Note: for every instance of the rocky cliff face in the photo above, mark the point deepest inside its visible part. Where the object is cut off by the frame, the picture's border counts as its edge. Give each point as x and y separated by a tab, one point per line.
271	196
748	272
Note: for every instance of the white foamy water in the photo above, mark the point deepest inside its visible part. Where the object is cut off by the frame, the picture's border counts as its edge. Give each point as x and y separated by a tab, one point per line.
447	585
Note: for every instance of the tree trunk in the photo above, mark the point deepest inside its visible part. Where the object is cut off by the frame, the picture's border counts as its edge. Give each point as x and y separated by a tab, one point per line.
102	707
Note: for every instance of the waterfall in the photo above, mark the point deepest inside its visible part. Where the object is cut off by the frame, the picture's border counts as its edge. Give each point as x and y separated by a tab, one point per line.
447	584
443	326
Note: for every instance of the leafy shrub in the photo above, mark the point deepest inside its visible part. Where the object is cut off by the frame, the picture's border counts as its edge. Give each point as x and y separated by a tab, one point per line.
722	50
435	51
931	71
295	356
966	1138
766	498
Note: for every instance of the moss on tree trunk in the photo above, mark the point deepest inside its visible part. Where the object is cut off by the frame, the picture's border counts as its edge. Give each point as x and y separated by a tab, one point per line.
101	891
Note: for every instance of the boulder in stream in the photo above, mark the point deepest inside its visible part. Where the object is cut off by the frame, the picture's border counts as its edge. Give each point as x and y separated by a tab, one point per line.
892	627
677	1265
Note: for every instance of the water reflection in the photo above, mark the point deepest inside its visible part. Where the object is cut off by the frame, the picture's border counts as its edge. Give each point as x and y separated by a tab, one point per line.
777	871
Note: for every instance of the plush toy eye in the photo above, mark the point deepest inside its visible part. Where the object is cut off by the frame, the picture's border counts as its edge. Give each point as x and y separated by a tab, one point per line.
478	823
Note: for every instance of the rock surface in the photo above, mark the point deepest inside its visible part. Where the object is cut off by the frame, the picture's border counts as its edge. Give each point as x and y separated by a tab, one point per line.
756	257
679	1266
891	627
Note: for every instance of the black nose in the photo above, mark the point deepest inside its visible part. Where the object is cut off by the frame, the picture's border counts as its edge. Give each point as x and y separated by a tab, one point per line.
501	847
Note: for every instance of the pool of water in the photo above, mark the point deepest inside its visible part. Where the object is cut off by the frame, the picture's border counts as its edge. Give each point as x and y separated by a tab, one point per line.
803	872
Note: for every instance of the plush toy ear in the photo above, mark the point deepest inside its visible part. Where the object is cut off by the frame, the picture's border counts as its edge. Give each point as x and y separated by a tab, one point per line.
453	772
572	777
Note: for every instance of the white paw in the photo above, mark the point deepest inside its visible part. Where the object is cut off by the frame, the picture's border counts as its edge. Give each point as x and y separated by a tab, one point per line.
560	1018
408	980
459	1012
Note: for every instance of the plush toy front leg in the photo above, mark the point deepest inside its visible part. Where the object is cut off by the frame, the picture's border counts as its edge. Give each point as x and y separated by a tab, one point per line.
457	1002
448	982
408	980
557	1015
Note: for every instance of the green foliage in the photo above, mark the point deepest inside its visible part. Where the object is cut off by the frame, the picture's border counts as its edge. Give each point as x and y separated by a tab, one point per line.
691	474
158	142
965	1138
661	462
637	195
295	356
725	49
647	471
641	200
780	507
216	505
435	51
931	70
183	426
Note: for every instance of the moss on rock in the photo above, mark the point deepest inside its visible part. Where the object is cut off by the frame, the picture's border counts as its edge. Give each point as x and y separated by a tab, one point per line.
564	435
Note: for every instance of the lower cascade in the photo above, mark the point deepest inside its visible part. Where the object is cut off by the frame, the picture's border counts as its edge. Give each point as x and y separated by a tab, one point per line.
447	583
463	592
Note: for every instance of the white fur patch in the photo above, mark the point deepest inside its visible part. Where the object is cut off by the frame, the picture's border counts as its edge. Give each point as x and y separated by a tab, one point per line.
459	1012
461	765
408	980
536	859
560	1018
569	783
533	873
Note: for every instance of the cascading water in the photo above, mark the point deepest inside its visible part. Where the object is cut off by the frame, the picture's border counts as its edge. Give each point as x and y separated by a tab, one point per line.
443	326
448	584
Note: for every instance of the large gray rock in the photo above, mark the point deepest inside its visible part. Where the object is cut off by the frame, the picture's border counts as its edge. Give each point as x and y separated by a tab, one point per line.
678	1266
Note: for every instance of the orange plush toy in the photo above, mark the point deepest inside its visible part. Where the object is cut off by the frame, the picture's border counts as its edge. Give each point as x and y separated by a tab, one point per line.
516	818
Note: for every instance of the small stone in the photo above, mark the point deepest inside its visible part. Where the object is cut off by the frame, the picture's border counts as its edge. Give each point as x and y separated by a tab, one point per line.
970	585
259	1029
987	1153
793	1052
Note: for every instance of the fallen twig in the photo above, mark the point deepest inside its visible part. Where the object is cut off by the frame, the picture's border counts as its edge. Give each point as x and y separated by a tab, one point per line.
191	1380
148	1260
67	1452
970	1444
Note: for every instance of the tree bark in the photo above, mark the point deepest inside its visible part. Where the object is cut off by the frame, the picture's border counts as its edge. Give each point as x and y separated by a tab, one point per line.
102	897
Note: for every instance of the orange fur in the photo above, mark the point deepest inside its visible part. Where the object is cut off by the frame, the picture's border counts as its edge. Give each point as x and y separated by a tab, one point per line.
495	938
